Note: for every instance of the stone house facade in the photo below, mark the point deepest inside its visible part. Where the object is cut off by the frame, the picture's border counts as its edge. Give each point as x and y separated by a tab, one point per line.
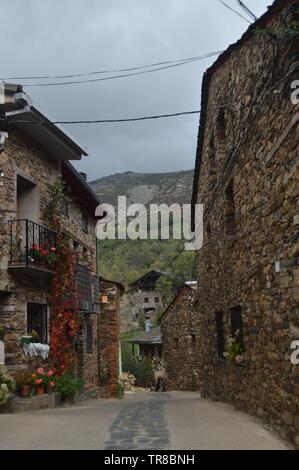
142	300
180	330
247	178
32	157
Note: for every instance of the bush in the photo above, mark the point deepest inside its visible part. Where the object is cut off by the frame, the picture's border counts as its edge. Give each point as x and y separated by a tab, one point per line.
141	368
67	385
7	385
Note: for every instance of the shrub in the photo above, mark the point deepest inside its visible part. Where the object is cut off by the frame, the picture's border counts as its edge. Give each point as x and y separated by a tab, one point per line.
141	368
67	385
7	385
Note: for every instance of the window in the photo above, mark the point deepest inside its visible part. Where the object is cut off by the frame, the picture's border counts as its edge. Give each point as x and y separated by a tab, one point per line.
146	300
37	320
157	300
220	335
84	223
89	338
230	211
236	323
176	344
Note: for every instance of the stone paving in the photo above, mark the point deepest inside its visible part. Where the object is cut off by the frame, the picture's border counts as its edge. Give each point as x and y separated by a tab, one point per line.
140	426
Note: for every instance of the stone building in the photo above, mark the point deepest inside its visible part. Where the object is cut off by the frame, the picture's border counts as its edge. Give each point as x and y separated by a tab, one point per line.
247	178
109	341
180	330
142	300
34	156
148	343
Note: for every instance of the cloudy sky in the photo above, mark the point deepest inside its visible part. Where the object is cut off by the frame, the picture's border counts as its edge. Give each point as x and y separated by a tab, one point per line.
55	37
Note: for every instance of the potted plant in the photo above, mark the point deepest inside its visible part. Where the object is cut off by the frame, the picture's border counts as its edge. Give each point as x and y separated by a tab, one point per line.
34	337
67	385
24	382
49	381
26	339
235	350
40	381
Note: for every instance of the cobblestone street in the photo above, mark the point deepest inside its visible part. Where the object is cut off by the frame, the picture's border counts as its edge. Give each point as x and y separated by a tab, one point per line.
148	421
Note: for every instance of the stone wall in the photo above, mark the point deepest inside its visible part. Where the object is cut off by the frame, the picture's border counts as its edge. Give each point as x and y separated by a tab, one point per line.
109	339
180	335
248	182
22	156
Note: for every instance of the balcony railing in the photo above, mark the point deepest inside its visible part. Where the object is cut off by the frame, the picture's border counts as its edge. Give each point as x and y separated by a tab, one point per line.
88	290
32	245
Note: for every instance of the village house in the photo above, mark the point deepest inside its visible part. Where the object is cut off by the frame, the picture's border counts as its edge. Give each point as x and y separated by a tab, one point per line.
246	176
180	337
34	157
148	343
143	300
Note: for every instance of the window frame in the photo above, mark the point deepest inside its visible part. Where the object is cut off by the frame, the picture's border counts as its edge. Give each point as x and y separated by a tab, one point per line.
43	335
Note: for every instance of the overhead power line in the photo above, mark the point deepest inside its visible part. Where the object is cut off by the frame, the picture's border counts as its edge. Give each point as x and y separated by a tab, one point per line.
118	70
103	121
133	74
247	10
234	11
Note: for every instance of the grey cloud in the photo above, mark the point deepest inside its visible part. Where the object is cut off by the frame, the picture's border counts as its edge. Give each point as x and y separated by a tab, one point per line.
70	36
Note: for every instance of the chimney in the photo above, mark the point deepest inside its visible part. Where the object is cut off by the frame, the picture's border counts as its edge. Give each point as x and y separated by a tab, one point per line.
84	175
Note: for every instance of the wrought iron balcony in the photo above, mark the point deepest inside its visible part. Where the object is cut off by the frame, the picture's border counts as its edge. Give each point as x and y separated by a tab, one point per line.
32	246
88	290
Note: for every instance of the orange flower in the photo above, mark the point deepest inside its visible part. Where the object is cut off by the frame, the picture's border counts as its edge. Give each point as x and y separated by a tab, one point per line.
38	381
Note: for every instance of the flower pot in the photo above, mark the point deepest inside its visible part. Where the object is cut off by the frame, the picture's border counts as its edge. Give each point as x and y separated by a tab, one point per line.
26	339
39	389
25	390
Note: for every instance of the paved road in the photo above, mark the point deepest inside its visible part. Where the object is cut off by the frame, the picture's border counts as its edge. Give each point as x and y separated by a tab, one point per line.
140	421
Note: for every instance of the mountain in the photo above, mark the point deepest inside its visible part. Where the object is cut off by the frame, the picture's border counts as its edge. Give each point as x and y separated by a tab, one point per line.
146	188
126	260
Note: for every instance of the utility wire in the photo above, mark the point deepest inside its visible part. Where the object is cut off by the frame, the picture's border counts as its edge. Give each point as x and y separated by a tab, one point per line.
246	9
103	121
114	77
119	70
234	11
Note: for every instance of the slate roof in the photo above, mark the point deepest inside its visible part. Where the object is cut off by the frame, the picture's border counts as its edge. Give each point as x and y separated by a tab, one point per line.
153	337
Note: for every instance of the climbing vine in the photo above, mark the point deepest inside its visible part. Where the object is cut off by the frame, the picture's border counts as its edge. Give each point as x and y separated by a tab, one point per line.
64	319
